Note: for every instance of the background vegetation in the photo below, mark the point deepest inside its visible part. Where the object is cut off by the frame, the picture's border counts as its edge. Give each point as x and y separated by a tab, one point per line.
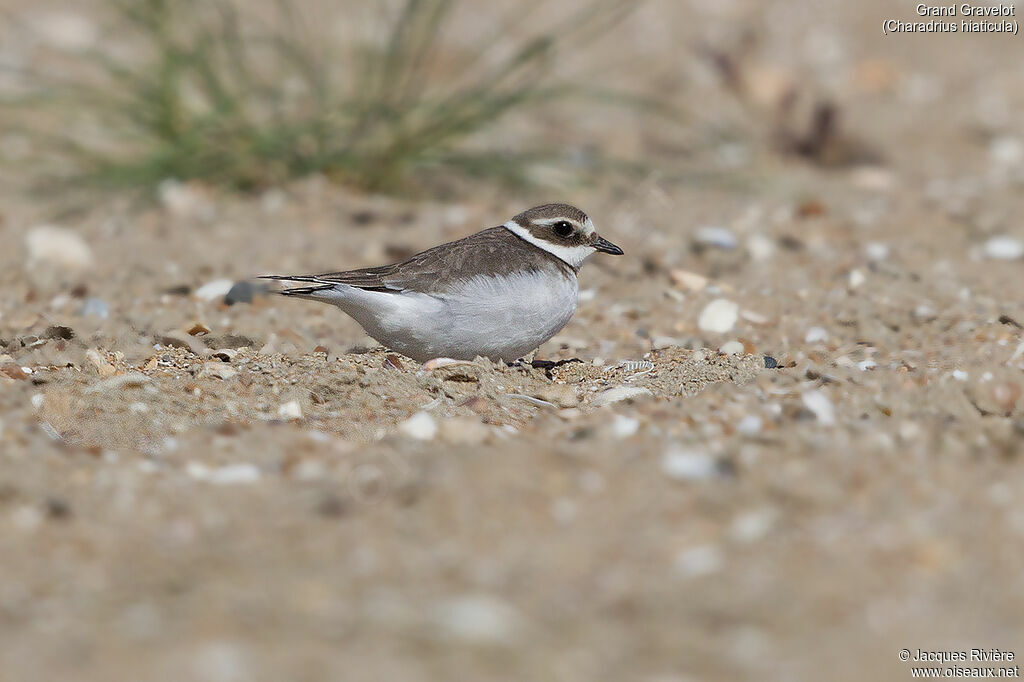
214	93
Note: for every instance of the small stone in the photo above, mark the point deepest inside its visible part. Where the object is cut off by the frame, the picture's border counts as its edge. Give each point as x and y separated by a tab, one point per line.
561	395
477	619
37	400
230	474
754	318
224	354
463	431
717	237
59	247
619	394
1006	150
420	426
960	375
95	307
13	371
749	426
55	331
816	335
122	381
26	518
198	329
856	278
698	561
624	427
211	291
437	363
876	251
564	510
732	348
1005	394
290	410
175	339
719	316
817	402
222	370
67	31
687	465
691	281
1004	248
753	525
243	292
185	200
760	248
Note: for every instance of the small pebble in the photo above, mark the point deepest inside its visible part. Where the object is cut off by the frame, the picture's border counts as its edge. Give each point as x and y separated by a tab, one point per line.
760	248
691	281
26	517
750	425
59	247
687	465
876	251
243	292
698	561
718	316
477	619
619	394
211	291
732	348
230	474
718	237
1006	150
95	307
222	370
184	199
624	427
1006	394
856	278
817	402
13	371
561	395
463	431
1004	248
290	410
420	426
816	335
752	525
960	375
121	381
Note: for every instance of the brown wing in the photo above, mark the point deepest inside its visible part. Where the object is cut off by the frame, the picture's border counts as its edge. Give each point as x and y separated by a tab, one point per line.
495	250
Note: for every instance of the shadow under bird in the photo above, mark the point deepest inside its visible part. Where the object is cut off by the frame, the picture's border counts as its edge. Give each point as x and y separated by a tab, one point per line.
499	293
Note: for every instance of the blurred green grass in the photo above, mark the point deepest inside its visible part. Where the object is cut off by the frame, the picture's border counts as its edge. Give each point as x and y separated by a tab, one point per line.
216	95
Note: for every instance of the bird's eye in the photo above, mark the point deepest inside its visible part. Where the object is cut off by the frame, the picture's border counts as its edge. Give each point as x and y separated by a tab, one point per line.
563	228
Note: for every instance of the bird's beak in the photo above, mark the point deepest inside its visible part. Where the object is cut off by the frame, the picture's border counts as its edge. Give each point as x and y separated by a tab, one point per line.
605	246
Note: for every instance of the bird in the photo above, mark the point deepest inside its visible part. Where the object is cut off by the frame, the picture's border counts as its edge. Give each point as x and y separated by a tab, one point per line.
499	293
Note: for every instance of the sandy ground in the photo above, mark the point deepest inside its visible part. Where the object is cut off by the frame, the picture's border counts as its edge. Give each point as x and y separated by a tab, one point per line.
191	490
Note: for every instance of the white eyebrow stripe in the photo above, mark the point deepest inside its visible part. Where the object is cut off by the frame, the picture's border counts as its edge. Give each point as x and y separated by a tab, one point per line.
573	255
552	221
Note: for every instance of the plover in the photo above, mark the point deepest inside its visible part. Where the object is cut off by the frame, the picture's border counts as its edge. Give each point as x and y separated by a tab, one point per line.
499	293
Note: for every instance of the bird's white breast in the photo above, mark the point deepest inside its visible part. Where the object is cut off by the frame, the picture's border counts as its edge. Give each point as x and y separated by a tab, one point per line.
509	316
500	317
